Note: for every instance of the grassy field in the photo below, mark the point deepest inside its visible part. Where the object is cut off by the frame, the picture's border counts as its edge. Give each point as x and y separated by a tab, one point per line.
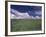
25	25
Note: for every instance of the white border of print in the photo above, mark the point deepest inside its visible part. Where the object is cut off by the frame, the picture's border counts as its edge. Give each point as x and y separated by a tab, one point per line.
25	32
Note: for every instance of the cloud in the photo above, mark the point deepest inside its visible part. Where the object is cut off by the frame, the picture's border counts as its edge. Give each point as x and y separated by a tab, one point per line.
19	15
38	12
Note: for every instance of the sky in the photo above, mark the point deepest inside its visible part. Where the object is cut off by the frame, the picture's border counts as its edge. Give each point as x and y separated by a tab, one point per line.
31	10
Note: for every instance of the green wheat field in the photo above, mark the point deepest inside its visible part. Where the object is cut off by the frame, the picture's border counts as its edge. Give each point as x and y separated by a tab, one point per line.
25	25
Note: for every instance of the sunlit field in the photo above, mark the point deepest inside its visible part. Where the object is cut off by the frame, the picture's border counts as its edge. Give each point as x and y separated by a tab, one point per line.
25	25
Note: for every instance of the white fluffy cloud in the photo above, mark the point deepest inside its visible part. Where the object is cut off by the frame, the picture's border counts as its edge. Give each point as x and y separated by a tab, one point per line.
18	15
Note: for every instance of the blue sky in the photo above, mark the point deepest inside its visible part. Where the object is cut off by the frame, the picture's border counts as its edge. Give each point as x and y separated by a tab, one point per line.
31	10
